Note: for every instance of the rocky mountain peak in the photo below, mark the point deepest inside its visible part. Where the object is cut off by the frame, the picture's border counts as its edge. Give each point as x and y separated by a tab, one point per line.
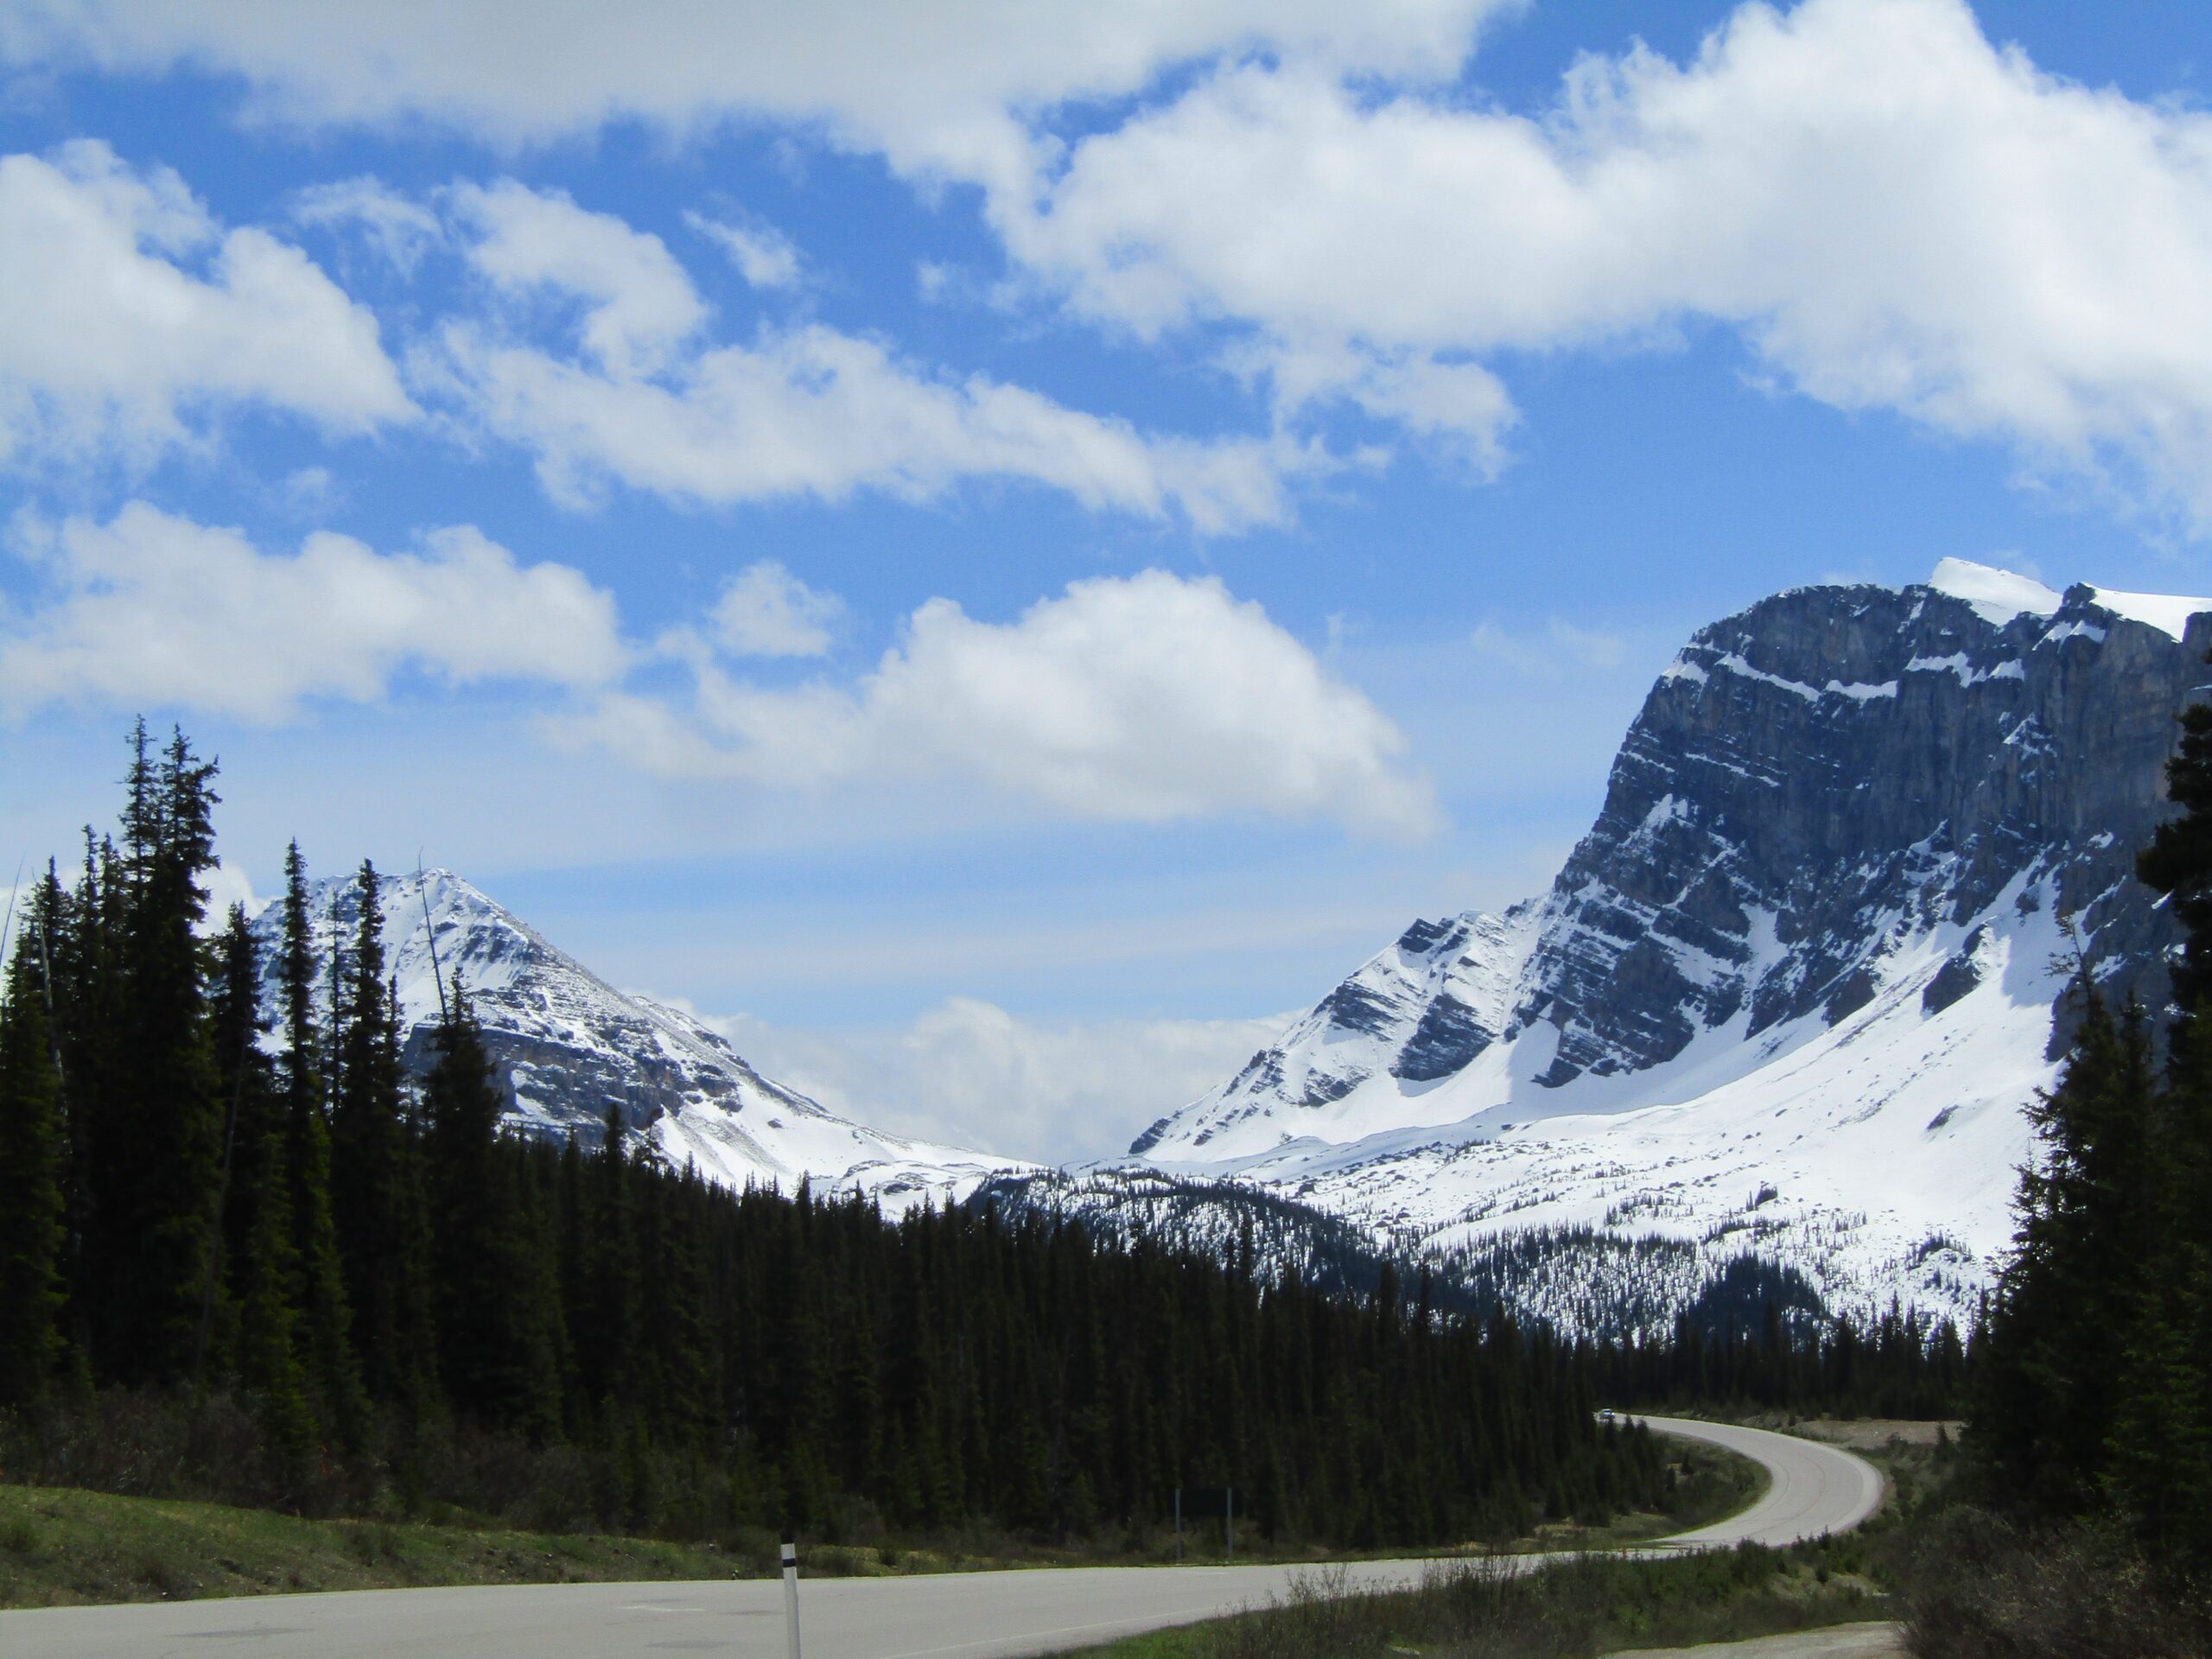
568	1047
1844	840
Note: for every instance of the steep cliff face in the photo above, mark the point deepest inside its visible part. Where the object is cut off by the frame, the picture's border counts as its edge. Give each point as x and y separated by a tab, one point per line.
567	1046
1844	839
1836	769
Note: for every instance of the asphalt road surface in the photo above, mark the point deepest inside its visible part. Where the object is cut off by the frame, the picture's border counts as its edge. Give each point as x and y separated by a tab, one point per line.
1814	1488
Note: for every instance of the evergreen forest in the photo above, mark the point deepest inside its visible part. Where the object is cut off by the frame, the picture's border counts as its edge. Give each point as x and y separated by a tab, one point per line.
240	1247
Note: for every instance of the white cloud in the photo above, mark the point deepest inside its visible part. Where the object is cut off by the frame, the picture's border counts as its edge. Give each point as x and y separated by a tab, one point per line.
806	412
814	411
969	1072
641	304
1146	699
935	86
762	254
126	313
764	611
152	609
1893	212
400	229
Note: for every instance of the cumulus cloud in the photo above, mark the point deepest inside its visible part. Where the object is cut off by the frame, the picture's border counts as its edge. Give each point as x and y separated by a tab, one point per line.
127	314
1892	211
1146	699
764	611
970	1073
151	609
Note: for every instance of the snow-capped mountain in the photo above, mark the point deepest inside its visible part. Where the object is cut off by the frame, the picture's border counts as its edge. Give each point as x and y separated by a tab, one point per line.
1793	989
568	1046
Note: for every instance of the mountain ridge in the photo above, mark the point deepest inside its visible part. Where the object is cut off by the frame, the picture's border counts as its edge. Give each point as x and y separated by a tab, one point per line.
1806	946
567	1046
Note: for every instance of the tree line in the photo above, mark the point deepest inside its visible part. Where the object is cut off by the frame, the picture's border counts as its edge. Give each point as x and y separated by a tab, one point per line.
1901	1363
207	1192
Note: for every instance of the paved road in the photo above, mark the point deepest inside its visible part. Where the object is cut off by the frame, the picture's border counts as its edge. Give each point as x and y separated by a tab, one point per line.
955	1615
1812	1487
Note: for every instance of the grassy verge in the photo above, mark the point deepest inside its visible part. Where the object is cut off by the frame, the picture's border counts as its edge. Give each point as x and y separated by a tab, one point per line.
60	1546
1587	1606
1599	1604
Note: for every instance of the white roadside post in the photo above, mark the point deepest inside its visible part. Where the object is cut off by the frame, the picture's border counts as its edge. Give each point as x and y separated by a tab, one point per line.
791	1594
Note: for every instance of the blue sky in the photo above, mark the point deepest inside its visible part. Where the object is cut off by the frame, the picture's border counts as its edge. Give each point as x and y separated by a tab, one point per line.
987	543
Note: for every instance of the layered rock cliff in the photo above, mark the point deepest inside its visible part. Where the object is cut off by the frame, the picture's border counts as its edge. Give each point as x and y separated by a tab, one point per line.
1841	846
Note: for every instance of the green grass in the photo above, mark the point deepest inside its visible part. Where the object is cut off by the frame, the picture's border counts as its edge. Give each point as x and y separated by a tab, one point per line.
1597	1603
1589	1605
60	1546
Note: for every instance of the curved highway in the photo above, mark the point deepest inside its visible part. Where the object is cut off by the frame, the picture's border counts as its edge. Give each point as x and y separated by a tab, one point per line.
1813	1489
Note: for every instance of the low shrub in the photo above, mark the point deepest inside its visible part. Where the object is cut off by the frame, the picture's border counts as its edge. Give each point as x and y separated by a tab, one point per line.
1976	1587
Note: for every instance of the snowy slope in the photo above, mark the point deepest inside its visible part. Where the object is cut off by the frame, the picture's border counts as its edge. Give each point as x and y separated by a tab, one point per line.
1795	988
567	1046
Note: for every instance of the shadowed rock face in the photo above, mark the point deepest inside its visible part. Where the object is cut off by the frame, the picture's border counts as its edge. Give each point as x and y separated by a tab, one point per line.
1841	763
1812	782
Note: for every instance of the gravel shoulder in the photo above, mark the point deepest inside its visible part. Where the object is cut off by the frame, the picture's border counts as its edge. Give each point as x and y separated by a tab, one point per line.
1838	1642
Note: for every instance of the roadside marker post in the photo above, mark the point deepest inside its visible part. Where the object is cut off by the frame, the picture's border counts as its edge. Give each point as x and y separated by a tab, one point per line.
791	1594
1204	1499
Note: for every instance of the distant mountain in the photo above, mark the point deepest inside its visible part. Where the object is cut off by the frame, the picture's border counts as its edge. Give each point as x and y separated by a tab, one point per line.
567	1046
1793	990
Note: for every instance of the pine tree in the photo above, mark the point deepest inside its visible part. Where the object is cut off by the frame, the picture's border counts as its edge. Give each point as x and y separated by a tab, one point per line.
332	1374
33	1151
2162	1448
265	1259
496	1351
2049	1397
375	1198
159	1232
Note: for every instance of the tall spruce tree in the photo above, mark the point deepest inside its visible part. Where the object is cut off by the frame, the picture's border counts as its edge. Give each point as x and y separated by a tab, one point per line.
33	1159
263	1265
159	1235
2091	1394
496	1351
325	1341
2049	1397
2162	1453
372	1177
